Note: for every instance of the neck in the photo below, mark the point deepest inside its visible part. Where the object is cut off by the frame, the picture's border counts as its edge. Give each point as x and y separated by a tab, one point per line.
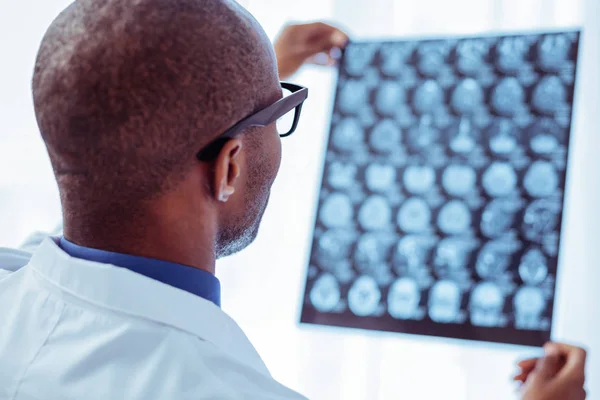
161	236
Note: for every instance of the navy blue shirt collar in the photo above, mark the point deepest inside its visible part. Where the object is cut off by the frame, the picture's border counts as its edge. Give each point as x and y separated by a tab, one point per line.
192	280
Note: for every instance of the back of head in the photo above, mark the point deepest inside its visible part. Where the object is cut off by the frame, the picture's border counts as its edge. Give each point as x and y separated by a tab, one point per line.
126	92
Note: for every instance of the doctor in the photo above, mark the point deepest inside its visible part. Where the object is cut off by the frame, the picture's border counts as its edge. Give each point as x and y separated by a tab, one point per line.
159	119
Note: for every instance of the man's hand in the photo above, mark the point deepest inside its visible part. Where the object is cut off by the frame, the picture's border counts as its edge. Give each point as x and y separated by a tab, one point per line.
313	43
558	375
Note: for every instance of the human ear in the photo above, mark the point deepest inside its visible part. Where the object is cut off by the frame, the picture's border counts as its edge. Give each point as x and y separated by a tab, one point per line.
227	169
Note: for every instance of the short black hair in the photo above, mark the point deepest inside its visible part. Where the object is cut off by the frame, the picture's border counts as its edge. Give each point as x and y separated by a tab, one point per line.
126	92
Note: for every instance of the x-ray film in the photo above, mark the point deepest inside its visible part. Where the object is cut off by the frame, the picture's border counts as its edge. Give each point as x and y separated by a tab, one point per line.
442	194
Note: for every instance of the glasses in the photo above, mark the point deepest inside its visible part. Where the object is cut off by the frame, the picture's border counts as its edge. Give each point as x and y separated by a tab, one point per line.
279	112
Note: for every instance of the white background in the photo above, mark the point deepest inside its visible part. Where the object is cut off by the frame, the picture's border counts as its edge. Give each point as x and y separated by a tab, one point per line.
262	286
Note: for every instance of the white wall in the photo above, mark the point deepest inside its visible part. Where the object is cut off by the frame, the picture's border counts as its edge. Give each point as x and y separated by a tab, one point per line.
262	286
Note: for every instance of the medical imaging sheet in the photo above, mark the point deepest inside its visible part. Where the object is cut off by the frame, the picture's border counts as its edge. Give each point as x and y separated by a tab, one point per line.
441	201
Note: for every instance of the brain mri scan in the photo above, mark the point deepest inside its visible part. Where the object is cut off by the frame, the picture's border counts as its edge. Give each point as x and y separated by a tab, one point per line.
348	135
410	256
375	213
389	97
385	136
504	137
451	256
545	137
414	215
364	296
467	96
419	179
422	136
403	299
379	177
459	180
370	251
337	211
486	305
325	294
341	175
533	268
498	218
500	179
454	218
445	302
353	97
442	195
334	245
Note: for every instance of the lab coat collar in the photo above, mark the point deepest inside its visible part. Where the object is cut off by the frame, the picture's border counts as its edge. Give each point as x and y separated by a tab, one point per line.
122	290
192	280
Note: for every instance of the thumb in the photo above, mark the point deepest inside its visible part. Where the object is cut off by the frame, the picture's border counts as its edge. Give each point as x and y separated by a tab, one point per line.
547	366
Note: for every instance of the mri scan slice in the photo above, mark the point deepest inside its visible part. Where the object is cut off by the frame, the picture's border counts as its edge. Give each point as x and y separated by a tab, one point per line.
348	135
410	254
497	218
510	54
451	256
508	97
549	95
533	268
486	305
553	51
334	245
454	218
427	97
353	96
403	299
380	177
545	137
500	179
393	58
414	216
364	296
390	97
431	58
341	175
325	294
504	137
493	261
337	211
385	136
459	180
470	55
358	57
375	213
444	302
370	251
541	219
467	96
419	179
529	304
541	179
463	137
422	136
443	187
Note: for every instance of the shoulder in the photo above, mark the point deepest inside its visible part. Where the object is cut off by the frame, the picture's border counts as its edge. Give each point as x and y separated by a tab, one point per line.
12	260
230	376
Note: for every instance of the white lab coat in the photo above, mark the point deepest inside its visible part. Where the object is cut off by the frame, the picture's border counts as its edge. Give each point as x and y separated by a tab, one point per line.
72	329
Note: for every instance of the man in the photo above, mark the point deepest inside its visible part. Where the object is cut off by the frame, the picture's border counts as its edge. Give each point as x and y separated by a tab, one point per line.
160	121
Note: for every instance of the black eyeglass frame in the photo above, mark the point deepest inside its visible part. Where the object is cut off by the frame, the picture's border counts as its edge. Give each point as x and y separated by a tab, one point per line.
264	117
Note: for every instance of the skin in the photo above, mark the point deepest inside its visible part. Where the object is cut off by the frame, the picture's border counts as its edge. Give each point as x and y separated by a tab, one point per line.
559	374
312	43
214	208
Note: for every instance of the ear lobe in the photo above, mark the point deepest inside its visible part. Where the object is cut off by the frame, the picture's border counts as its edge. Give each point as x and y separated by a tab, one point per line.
227	170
